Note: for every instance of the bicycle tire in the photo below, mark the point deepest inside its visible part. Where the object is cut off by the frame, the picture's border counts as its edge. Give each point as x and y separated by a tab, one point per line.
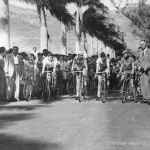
84	92
26	92
103	93
124	93
124	97
46	92
80	92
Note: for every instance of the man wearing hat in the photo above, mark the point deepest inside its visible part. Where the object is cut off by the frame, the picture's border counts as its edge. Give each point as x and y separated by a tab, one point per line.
127	66
144	67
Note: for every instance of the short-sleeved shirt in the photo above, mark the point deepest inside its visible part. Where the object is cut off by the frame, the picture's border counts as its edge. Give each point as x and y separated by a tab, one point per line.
102	65
80	64
127	63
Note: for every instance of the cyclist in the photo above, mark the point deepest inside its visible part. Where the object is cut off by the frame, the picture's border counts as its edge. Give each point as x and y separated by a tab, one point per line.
102	65
79	64
127	66
50	65
29	72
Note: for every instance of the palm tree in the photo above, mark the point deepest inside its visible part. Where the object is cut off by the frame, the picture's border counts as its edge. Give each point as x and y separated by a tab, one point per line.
4	24
95	22
56	9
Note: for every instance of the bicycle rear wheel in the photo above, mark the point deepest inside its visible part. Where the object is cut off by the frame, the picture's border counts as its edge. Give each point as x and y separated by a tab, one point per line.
124	93
47	91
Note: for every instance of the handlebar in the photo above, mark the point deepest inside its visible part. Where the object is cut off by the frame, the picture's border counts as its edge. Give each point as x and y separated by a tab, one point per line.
78	71
48	71
101	72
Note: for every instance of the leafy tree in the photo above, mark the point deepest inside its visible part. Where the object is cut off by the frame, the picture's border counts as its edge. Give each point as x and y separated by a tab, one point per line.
96	22
4	24
139	14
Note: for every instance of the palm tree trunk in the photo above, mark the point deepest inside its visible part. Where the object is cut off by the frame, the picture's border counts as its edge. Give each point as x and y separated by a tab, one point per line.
78	40
63	39
44	34
85	46
4	24
91	46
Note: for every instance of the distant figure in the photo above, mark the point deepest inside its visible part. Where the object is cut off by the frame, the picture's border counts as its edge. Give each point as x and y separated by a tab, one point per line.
108	56
12	67
45	53
35	51
144	67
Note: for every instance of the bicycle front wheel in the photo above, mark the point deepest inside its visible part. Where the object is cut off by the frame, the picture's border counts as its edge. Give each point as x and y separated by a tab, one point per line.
47	91
70	87
124	93
26	91
104	93
84	92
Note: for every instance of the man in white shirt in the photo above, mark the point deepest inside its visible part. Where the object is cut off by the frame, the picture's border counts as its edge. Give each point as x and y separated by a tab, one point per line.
102	65
12	69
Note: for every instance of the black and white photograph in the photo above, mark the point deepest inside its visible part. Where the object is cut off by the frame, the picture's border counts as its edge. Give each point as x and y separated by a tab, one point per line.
74	74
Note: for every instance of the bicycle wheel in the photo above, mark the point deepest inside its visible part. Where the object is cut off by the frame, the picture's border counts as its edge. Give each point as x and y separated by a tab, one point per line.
70	87
85	92
103	94
26	91
80	92
46	92
124	93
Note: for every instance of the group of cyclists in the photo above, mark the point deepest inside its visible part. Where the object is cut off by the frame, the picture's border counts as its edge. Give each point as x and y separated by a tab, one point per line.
75	75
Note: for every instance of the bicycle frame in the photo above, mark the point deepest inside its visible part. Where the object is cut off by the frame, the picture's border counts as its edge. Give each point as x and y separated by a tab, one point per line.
125	87
126	80
49	77
103	86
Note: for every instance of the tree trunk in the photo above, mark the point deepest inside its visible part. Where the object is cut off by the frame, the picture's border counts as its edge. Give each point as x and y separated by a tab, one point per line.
4	24
97	47
78	38
63	39
85	46
91	46
44	34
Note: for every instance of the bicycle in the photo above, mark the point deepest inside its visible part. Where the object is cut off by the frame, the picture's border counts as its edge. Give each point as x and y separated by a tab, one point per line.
49	85
82	86
126	87
103	86
28	88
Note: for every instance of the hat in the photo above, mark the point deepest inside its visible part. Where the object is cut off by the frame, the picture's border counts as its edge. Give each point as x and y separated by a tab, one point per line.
125	51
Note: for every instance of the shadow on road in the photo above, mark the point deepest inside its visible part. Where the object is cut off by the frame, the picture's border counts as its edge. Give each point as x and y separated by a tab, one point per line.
11	142
9	119
22	107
